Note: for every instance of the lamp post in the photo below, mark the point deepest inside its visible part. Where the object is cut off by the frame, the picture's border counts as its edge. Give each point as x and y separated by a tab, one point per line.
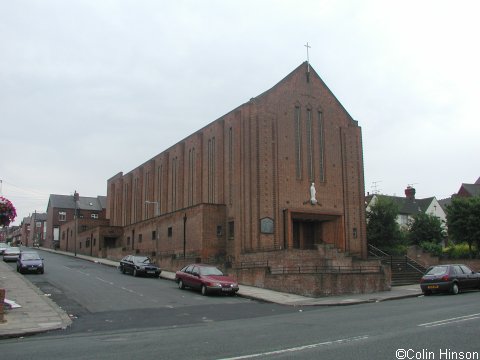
76	198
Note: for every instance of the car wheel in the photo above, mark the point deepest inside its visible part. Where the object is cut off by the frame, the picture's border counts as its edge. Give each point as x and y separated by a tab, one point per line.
42	271
455	289
427	293
181	285
204	290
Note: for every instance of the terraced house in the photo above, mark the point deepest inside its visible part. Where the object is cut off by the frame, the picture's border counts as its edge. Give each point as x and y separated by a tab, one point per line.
273	191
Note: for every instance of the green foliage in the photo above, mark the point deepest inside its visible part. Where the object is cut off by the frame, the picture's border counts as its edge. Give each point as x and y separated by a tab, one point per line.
383	230
426	228
432	248
457	251
463	220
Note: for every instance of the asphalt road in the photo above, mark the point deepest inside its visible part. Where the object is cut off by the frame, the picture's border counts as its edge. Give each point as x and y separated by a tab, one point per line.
434	327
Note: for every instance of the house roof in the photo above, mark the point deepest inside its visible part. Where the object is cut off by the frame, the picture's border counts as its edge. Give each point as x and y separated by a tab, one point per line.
408	206
472	189
84	203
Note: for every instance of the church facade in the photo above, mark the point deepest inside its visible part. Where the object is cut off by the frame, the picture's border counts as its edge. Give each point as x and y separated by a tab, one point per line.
278	180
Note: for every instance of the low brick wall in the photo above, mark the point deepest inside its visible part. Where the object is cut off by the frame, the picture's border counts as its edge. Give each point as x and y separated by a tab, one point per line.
427	260
317	285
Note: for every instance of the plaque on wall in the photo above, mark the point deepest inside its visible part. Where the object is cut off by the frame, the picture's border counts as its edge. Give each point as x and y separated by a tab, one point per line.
266	225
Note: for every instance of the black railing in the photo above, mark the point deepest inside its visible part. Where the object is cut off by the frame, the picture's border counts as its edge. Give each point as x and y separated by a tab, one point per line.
325	270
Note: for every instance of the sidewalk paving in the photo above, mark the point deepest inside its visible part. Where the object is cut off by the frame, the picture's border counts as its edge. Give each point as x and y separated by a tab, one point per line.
40	314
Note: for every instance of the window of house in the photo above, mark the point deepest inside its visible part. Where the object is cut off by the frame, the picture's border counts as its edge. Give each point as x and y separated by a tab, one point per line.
154	235
87	243
94	216
140	237
128	240
62	216
219	230
170	231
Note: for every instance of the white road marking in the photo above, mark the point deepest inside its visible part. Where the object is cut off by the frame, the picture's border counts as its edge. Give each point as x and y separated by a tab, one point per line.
451	320
300	348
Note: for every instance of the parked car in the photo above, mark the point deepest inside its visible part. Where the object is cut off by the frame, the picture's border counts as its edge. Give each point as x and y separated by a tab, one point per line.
11	254
139	265
3	246
449	278
30	261
206	278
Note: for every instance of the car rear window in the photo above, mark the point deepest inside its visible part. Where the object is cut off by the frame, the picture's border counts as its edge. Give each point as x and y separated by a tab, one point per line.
437	270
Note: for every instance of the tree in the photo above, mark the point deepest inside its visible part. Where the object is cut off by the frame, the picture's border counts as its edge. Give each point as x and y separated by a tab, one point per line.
383	230
426	228
463	220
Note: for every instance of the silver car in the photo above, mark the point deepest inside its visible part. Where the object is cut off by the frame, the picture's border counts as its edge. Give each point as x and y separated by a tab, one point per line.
11	254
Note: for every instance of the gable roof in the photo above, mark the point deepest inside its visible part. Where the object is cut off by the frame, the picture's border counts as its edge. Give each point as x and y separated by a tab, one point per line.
84	203
408	206
472	189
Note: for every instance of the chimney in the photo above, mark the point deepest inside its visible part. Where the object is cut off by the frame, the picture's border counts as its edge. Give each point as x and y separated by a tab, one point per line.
410	193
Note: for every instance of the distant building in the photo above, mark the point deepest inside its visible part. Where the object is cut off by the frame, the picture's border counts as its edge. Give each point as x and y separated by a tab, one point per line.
278	180
409	206
34	229
62	209
469	190
466	190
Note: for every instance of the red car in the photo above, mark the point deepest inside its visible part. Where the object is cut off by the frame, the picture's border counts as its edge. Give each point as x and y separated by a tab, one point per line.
206	278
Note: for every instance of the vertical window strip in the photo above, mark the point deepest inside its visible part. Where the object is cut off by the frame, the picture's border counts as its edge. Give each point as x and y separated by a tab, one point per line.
321	144
174	184
230	166
298	144
311	175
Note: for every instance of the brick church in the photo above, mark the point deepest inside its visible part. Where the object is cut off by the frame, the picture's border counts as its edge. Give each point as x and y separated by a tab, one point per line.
274	185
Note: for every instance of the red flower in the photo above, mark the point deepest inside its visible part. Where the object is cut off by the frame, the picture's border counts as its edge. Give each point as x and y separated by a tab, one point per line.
8	213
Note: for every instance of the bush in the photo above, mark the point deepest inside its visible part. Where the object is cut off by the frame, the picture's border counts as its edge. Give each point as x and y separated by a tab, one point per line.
432	248
458	251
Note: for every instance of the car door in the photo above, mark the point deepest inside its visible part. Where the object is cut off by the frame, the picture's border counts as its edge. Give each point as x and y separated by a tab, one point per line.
461	277
187	276
471	278
129	264
195	278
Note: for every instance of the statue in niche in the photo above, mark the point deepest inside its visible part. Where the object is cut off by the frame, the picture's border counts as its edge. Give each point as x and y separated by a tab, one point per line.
313	194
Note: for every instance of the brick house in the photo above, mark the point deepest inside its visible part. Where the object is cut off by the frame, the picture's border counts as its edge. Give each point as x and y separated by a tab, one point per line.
61	210
276	183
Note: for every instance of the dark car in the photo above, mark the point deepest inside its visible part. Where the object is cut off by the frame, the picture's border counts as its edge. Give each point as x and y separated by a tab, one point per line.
139	265
449	278
30	261
11	254
206	278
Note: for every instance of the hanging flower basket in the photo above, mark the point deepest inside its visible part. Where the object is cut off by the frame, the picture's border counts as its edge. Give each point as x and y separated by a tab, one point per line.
8	213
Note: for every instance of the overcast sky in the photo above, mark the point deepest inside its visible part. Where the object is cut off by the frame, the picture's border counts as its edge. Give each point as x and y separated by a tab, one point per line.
91	88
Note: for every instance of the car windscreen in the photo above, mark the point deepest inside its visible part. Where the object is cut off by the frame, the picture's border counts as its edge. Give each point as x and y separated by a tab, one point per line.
142	259
30	257
210	271
437	270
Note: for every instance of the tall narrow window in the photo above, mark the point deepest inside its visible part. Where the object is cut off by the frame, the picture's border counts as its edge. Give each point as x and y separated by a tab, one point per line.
311	175
160	188
298	143
211	170
191	176
230	166
174	183
321	145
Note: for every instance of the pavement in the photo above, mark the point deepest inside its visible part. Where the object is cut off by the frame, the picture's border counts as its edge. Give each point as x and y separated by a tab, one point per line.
38	313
